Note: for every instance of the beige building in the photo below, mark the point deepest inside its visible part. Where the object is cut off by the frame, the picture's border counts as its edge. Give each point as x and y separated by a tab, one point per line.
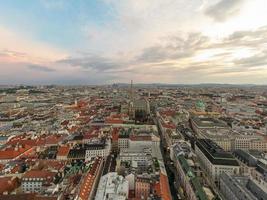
214	160
230	141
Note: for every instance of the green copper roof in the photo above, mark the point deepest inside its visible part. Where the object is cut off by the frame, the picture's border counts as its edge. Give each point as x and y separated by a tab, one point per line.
192	178
200	104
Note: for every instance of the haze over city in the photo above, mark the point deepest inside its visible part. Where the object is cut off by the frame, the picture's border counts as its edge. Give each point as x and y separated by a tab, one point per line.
150	41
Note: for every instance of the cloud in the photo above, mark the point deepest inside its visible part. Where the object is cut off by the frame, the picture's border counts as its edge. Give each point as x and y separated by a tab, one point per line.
40	68
202	6
256	40
224	9
8	56
182	54
93	62
170	48
251	38
147	40
175	47
241	52
138	24
253	61
6	52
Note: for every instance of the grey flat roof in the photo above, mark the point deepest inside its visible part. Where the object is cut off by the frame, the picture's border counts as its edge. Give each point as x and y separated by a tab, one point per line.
215	153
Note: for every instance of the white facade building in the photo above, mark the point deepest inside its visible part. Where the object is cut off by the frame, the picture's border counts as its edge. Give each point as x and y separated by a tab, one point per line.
101	150
34	180
112	186
215	160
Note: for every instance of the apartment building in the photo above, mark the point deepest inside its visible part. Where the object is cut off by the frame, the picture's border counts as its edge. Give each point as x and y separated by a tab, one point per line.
34	180
215	160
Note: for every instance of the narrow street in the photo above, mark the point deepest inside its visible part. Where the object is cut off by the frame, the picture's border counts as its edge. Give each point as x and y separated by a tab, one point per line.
172	176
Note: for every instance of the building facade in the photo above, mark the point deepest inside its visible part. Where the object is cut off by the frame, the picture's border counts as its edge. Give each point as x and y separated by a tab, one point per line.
215	160
241	187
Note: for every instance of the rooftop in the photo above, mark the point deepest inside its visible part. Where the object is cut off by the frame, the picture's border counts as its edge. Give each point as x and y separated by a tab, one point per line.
199	192
43	174
244	187
208	122
215	153
112	185
88	181
8	184
63	151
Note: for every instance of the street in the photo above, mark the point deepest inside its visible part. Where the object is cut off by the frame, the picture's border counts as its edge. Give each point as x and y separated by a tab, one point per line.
170	169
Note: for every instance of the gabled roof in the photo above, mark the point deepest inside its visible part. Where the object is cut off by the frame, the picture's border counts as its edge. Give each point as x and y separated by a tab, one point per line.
11	153
39	174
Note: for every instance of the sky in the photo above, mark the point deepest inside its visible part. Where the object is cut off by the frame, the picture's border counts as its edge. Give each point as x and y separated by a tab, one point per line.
149	41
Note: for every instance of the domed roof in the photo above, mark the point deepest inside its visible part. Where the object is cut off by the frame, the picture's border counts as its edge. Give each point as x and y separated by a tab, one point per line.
200	104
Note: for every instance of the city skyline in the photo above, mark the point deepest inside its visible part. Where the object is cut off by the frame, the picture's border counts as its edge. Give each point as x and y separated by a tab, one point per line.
149	41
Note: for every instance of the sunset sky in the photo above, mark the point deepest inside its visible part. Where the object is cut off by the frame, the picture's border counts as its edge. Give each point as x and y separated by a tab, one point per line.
149	41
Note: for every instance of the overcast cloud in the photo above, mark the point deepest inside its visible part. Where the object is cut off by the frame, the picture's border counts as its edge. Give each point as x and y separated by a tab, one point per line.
168	41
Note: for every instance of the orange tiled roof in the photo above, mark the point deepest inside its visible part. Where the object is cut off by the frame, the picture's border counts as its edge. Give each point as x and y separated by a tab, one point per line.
157	188
115	134
54	139
52	164
87	185
7	184
168	112
11	153
1	167
22	142
39	174
114	121
164	187
63	151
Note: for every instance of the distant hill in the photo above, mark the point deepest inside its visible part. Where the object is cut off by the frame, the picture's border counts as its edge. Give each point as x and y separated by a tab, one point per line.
202	85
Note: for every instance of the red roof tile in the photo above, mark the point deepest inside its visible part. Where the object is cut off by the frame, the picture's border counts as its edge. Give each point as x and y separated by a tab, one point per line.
39	174
11	153
8	184
88	181
164	187
113	121
63	151
115	134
